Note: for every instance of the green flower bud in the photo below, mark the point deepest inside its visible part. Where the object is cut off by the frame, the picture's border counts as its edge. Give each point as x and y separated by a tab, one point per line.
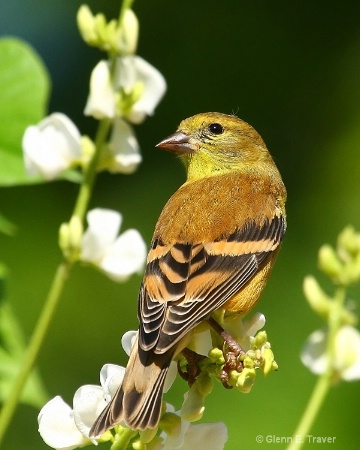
216	355
268	357
233	377
260	339
246	380
148	435
329	262
64	237
87	149
86	24
75	233
126	36
349	241
248	361
351	271
70	235
316	297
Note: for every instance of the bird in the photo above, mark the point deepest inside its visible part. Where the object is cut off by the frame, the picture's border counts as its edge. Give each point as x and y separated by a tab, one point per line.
213	248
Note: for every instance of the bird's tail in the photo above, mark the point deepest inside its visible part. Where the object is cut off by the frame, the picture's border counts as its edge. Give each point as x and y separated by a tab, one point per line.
138	400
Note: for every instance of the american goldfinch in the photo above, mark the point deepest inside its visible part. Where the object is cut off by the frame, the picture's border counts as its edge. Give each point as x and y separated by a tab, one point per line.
214	245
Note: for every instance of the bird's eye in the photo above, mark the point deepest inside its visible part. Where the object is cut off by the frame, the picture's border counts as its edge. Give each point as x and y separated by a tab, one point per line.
216	128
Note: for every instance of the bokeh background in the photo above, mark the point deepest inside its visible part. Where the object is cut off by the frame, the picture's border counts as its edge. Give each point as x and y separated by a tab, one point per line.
292	70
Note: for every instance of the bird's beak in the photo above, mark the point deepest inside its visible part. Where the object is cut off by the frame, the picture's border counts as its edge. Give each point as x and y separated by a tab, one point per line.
179	142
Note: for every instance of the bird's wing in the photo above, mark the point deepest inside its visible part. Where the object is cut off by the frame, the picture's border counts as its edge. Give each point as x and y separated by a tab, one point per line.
184	283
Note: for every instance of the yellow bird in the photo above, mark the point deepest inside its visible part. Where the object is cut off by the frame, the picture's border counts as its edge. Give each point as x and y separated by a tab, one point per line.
214	245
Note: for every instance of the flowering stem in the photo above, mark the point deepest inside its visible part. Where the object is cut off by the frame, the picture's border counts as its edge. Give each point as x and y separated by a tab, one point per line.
126	4
324	382
86	188
56	288
34	346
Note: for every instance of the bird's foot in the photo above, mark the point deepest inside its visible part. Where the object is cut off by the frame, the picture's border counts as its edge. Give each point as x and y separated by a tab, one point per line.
232	351
192	369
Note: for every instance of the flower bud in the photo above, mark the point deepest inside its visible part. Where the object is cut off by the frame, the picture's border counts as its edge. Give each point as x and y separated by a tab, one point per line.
268	357
127	34
349	241
329	262
260	339
87	25
316	297
246	380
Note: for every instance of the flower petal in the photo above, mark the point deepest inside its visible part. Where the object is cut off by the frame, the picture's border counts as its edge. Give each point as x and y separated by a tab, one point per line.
88	402
313	354
170	376
103	227
57	426
124	149
111	377
211	436
101	101
128	340
125	257
51	146
201	343
347	349
133	70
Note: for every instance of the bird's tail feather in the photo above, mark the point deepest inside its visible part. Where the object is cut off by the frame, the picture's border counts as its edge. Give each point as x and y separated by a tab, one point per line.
138	400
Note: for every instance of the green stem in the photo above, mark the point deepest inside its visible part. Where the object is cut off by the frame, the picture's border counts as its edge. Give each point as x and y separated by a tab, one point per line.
324	382
312	409
126	4
86	188
34	346
123	438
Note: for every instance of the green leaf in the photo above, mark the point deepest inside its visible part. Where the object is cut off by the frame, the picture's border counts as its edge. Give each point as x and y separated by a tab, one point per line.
24	90
12	348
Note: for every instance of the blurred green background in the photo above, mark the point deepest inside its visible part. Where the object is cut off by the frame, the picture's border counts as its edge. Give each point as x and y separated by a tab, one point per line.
292	70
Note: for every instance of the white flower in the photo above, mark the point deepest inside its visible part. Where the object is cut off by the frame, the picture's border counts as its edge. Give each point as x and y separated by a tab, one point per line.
347	353
111	377
187	436
134	93
117	256
64	428
57	426
51	146
140	80
101	100
211	436
128	340
88	402
123	155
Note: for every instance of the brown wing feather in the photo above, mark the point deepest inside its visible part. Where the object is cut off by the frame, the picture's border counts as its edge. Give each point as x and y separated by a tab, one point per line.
186	284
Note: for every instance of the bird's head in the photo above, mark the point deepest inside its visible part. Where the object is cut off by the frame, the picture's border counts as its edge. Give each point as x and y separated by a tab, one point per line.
213	143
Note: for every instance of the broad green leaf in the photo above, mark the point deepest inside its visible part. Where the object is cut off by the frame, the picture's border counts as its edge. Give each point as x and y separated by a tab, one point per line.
12	348
24	89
